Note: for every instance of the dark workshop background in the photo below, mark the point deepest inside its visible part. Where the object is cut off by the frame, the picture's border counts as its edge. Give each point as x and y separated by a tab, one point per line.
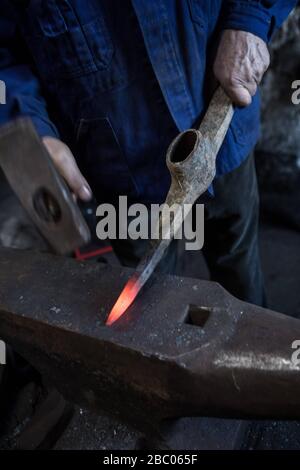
278	167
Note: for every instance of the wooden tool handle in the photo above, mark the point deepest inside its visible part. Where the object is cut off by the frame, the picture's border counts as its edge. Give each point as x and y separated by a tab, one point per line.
217	119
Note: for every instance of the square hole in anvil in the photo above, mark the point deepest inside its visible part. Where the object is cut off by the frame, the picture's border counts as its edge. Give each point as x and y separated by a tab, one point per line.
196	315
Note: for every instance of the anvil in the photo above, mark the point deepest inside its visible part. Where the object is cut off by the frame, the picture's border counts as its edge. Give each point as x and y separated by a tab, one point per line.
185	348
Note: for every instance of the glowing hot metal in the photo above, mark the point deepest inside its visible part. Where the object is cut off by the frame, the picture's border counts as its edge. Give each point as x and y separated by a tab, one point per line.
124	301
139	278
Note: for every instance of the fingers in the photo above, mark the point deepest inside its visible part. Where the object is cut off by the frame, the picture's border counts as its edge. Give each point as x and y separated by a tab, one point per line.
239	90
66	165
70	172
239	95
241	62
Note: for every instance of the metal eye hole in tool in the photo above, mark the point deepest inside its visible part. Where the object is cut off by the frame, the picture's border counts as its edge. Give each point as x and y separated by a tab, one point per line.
46	206
184	146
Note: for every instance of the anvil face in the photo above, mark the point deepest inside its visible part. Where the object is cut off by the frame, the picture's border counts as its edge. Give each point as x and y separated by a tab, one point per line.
184	348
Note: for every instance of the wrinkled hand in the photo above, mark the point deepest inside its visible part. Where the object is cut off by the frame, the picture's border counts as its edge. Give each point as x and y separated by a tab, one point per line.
241	62
66	165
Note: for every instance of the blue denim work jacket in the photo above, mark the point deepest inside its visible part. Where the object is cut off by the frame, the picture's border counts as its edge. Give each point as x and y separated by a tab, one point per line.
117	79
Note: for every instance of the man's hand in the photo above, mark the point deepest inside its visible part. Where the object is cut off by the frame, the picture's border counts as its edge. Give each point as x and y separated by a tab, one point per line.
241	62
66	165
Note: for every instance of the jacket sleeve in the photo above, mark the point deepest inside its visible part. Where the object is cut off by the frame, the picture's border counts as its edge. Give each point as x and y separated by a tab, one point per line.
259	17
23	90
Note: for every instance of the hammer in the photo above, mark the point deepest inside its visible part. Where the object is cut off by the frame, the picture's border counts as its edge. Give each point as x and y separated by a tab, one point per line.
191	160
45	196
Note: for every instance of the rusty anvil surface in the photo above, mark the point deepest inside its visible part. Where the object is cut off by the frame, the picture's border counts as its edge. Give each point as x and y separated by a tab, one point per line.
151	364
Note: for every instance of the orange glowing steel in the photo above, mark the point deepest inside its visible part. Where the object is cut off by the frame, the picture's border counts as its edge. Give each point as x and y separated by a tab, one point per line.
124	301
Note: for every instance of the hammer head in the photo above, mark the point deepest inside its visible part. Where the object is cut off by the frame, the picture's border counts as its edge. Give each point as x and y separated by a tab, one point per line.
41	191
